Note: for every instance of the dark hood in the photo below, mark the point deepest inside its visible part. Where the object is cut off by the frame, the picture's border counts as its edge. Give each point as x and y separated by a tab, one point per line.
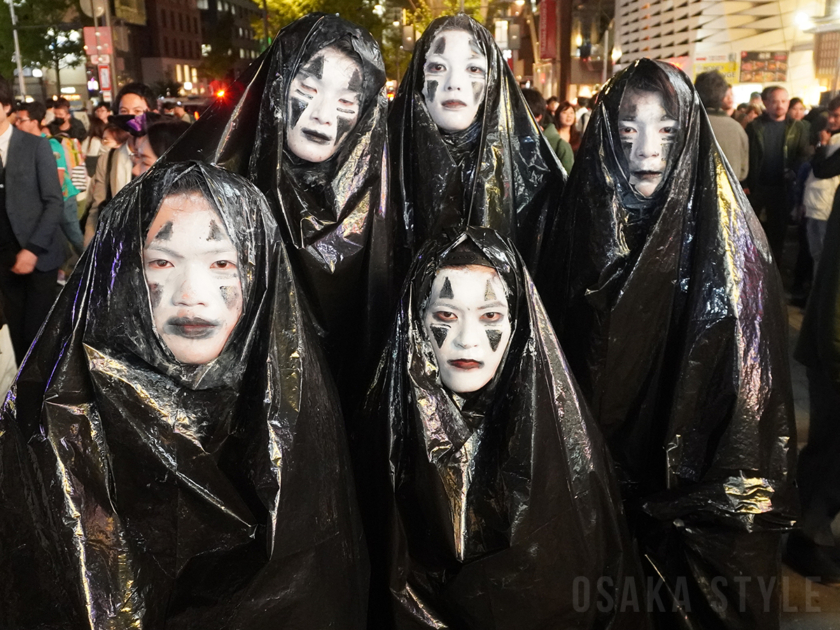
492	507
141	492
500	173
671	312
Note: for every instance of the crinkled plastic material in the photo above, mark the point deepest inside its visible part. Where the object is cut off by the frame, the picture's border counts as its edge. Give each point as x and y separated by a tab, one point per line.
332	215
500	173
670	309
493	507
140	492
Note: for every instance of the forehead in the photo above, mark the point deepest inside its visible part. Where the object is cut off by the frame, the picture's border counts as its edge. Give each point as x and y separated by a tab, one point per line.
130	101
189	214
639	103
331	61
467	283
455	42
778	95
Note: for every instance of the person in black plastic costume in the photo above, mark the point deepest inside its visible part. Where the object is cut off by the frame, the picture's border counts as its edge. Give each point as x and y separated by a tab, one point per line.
670	310
306	124
465	149
496	498
172	452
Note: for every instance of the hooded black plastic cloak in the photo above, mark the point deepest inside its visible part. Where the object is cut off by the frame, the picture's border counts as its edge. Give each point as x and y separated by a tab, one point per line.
332	215
499	173
140	492
670	311
502	509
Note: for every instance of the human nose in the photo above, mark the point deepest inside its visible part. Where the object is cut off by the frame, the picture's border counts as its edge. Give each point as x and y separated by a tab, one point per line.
648	144
468	335
321	113
456	80
188	291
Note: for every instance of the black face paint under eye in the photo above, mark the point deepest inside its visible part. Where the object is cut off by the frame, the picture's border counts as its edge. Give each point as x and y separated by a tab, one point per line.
216	233
431	88
155	294
494	336
439	47
165	233
478	91
230	295
315	67
298	107
489	293
440	333
342	128
446	292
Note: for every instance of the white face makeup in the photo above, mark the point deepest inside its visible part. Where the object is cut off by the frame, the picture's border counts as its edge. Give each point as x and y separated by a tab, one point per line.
648	135
324	101
192	270
455	76
468	325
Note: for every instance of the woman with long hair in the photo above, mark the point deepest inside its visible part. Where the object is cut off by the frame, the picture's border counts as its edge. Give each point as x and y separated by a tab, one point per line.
565	122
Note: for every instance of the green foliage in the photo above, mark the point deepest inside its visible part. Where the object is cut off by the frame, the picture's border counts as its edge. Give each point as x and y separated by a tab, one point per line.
283	12
46	39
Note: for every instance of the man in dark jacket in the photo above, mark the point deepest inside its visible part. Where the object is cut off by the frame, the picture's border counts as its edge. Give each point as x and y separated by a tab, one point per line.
65	123
778	146
813	551
31	247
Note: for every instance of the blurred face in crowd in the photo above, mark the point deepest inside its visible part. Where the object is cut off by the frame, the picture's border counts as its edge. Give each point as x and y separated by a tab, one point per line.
324	102
102	113
27	124
833	120
192	272
567	117
455	78
133	104
142	157
728	102
776	104
797	111
62	116
468	324
109	141
648	135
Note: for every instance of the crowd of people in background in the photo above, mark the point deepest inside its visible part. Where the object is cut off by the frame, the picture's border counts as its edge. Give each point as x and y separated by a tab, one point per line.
93	156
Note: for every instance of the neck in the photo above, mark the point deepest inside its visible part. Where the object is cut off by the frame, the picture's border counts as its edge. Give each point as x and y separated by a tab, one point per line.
4	126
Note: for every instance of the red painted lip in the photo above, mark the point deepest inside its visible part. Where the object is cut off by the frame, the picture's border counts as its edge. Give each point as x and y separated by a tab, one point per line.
454	104
466	364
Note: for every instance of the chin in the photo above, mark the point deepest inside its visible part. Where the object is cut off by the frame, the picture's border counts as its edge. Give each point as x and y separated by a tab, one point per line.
194	354
452	124
468	385
305	151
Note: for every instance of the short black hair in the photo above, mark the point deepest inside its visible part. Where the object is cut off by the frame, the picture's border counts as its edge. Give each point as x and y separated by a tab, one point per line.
163	133
140	89
61	103
650	78
767	92
712	88
7	96
535	101
35	109
796	101
834	104
104	104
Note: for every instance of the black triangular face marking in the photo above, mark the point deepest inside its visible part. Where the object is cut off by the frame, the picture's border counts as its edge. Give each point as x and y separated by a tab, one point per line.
355	82
495	336
155	293
446	292
489	293
342	128
216	233
440	333
478	91
298	106
440	46
431	88
315	67
165	233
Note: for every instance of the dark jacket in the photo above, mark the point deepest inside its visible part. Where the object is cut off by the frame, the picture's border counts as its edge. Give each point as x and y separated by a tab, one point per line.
77	129
33	198
819	339
797	147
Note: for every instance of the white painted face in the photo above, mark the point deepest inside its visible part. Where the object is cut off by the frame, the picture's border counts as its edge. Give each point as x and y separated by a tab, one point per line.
192	270
468	325
648	135
455	77
324	101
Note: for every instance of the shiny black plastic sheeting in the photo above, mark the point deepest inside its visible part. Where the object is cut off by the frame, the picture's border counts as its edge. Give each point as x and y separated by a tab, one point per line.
670	310
496	510
332	215
500	173
140	492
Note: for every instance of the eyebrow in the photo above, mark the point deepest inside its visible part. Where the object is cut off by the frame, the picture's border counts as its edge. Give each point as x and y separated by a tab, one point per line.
173	253
496	304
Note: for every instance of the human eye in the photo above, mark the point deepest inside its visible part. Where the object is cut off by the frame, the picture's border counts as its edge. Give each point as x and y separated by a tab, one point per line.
492	317
434	66
159	263
626	130
476	70
445	316
669	129
307	91
223	265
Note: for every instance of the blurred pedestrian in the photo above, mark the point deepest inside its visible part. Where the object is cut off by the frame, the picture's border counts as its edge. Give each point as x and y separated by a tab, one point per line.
181	114
746	113
92	146
159	136
565	120
797	109
728	105
731	137
64	122
778	146
551	104
560	147
102	111
31	207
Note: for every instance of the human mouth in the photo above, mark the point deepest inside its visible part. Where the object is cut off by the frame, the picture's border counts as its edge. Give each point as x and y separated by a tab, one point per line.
466	364
647	175
453	104
191	327
316	137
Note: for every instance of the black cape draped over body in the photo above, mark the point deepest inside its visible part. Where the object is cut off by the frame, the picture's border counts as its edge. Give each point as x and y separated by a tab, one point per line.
140	492
491	508
332	215
500	173
670	310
